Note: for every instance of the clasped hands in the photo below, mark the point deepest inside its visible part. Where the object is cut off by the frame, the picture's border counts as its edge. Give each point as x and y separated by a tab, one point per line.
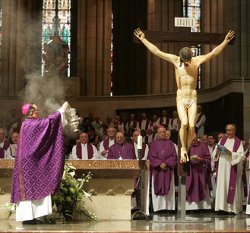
196	158
163	166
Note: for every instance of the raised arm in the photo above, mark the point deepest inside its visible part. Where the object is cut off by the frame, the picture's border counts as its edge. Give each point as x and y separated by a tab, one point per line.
153	49
217	50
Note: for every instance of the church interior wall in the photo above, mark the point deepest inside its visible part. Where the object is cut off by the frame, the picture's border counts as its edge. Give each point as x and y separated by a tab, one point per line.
146	83
222	105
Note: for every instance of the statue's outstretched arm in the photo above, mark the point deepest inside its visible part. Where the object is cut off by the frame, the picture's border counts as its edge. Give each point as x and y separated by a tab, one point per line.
217	50
153	49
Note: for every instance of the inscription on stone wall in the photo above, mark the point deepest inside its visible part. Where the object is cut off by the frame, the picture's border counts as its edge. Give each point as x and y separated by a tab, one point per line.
87	164
105	164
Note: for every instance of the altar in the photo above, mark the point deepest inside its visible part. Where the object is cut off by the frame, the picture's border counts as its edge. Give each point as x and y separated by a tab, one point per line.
111	187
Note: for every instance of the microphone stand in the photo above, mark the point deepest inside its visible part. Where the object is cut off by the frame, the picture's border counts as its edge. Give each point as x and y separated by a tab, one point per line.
139	214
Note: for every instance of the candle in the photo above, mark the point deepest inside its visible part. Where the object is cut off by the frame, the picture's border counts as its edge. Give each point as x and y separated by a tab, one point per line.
139	142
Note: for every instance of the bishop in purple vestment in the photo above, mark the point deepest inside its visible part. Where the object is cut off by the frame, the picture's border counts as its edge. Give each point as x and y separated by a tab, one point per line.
200	164
163	160
39	157
121	149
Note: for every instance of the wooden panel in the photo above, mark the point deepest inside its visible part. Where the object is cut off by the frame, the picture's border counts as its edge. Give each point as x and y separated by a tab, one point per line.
99	46
5	48
12	49
91	48
129	74
107	48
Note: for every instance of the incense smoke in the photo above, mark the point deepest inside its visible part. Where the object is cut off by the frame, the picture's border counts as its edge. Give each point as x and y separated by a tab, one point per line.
46	93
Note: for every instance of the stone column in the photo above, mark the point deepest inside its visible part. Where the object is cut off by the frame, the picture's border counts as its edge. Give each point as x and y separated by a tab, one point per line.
21	43
245	64
94	46
160	73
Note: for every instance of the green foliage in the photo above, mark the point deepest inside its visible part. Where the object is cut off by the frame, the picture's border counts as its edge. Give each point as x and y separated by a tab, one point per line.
69	202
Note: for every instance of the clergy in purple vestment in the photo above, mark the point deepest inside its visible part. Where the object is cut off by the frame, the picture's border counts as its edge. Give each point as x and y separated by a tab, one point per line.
163	160
39	161
121	149
200	167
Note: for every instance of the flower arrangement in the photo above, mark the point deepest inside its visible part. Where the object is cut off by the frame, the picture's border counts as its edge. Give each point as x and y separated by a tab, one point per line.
69	202
6	210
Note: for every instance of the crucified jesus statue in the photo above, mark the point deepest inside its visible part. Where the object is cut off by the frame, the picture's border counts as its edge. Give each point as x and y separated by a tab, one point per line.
186	73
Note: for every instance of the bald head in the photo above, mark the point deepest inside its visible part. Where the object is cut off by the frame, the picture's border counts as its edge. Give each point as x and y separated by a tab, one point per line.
161	132
231	130
119	138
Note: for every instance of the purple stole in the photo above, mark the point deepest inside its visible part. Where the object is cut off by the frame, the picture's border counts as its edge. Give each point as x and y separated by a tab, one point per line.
4	148
161	121
248	200
199	117
134	124
233	173
171	122
79	151
244	180
106	144
147	124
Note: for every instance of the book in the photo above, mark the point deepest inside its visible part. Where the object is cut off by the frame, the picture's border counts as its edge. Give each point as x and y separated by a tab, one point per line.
222	149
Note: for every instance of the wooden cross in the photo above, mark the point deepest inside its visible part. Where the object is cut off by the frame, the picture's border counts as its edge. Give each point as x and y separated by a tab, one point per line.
183	36
193	38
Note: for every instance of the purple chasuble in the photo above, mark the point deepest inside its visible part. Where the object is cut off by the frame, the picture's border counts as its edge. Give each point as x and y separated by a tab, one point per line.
197	180
39	160
162	151
79	151
248	200
233	173
4	148
125	151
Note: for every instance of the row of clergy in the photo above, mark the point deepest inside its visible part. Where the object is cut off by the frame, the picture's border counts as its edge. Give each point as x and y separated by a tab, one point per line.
226	172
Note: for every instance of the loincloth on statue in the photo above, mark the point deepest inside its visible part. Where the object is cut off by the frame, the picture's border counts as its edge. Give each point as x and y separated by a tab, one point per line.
188	102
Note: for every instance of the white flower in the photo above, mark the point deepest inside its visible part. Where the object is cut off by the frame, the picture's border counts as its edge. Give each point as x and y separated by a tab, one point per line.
72	173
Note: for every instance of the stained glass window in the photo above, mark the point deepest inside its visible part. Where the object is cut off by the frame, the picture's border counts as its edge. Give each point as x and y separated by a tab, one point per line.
56	21
192	9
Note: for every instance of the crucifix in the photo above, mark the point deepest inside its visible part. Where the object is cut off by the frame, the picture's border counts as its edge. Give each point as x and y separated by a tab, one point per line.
186	72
